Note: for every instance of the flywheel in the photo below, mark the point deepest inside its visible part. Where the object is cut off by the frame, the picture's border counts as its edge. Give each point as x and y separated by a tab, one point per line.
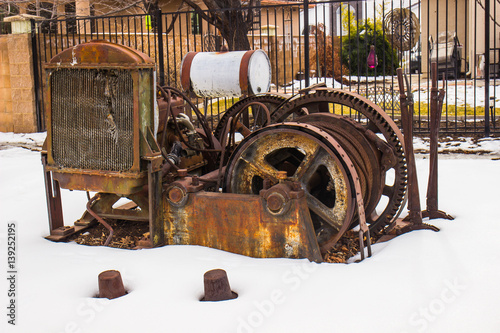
390	196
310	157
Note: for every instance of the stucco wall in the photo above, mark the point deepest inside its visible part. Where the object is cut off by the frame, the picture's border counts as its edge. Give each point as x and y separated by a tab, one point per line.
17	103
468	20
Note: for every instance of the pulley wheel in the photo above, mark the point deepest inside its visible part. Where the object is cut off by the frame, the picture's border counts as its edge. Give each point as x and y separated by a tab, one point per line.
309	156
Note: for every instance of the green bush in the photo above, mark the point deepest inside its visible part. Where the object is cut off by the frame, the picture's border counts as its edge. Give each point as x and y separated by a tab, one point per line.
356	47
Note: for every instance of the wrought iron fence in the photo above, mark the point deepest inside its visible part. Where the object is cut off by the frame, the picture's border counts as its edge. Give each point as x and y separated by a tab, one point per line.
332	44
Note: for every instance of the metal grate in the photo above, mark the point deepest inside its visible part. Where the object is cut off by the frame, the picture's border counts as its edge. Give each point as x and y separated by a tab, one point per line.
92	119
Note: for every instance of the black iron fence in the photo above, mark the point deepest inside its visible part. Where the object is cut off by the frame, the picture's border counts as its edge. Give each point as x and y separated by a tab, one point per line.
353	45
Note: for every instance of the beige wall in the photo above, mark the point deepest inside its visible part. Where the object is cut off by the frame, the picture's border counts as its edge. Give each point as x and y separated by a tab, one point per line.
6	124
469	27
17	104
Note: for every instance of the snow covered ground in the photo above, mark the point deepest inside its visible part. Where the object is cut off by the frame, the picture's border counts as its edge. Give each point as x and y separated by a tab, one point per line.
419	282
460	93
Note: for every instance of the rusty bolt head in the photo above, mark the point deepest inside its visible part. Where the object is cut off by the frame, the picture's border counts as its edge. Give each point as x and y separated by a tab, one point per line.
195	181
296	186
282	175
275	202
182	173
175	195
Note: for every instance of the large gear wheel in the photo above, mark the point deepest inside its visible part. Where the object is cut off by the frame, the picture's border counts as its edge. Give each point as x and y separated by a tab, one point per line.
374	119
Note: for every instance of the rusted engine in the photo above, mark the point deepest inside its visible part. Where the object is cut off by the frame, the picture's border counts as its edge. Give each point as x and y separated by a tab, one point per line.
277	177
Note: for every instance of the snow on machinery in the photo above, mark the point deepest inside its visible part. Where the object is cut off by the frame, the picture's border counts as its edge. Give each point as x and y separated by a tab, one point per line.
298	180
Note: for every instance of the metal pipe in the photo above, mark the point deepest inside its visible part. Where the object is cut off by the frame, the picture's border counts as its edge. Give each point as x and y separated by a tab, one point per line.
98	218
487	68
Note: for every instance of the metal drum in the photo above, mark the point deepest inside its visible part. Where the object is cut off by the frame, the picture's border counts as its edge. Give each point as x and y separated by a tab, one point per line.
226	74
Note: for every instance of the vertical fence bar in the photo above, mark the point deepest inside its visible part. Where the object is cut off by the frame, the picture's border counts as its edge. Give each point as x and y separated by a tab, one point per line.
487	68
306	42
161	65
36	78
476	59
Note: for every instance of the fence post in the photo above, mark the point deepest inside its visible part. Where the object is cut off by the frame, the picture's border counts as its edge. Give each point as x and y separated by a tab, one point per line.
487	69
159	34
36	79
306	42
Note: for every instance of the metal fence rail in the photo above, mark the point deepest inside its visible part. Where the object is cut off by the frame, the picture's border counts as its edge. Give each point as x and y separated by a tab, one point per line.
332	45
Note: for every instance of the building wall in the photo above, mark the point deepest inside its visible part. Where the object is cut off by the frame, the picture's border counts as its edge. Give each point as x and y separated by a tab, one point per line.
467	19
17	103
6	124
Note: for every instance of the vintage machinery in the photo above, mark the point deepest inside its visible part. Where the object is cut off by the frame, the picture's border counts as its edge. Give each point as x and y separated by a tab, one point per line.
278	176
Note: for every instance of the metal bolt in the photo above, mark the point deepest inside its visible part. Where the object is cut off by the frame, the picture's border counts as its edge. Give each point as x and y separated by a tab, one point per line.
111	285
296	186
275	202
182	173
175	195
195	181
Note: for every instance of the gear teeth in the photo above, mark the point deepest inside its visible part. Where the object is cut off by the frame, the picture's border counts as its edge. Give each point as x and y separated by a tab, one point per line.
374	114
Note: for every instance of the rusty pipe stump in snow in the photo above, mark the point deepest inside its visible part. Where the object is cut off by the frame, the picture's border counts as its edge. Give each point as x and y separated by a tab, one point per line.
111	285
217	286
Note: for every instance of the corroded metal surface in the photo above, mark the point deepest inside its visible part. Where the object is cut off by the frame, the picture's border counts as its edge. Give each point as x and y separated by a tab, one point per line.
98	124
289	190
99	52
437	97
240	223
312	158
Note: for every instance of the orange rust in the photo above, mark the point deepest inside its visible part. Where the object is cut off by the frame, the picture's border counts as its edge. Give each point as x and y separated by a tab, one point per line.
100	52
186	70
282	175
275	202
242	224
175	195
245	62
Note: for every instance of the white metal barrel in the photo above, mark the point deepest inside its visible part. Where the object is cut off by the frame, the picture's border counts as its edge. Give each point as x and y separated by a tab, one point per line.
226	74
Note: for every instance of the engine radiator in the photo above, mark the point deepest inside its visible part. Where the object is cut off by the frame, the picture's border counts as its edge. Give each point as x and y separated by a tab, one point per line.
100	112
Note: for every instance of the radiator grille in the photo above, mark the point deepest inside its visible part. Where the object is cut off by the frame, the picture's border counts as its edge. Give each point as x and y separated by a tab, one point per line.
92	119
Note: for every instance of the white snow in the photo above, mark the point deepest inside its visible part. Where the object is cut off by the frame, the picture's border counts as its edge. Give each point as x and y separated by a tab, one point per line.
419	282
460	93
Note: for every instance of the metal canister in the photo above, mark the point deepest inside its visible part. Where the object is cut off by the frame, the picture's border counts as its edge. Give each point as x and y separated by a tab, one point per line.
226	74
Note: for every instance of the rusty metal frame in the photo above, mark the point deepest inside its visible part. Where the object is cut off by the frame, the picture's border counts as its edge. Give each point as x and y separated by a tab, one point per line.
414	218
259	226
437	97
